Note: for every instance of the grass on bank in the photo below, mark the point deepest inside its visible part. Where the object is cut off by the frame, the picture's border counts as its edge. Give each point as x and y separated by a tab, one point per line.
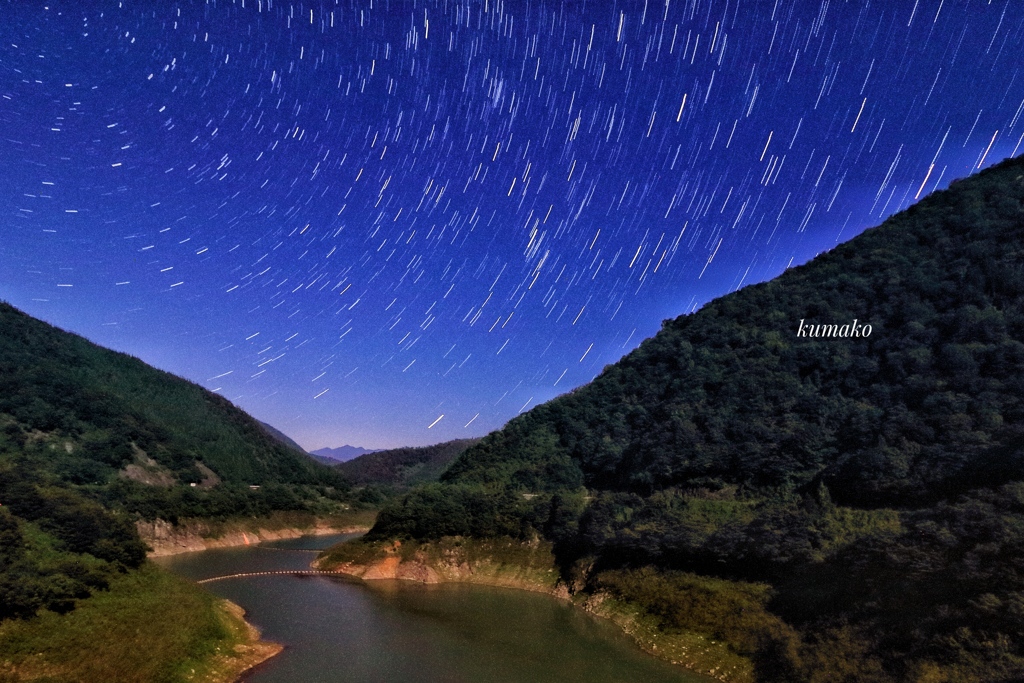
151	627
708	624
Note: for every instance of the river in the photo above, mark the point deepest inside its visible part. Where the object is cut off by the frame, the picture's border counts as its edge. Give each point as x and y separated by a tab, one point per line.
340	630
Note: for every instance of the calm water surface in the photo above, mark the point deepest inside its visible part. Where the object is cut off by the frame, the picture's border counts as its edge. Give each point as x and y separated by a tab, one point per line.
337	630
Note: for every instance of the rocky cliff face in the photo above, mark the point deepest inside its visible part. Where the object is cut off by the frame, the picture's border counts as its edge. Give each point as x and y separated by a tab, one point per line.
491	563
171	539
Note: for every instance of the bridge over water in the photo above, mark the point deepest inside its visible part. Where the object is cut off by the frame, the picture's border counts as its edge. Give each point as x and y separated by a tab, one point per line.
288	572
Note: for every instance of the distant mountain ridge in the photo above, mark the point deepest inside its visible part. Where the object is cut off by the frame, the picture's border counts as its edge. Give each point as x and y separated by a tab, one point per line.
342	453
403	467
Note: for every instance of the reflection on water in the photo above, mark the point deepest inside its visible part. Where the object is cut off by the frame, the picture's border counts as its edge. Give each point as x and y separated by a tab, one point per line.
337	630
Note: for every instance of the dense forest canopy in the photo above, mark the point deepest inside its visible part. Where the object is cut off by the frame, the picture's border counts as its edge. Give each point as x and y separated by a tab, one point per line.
873	481
922	408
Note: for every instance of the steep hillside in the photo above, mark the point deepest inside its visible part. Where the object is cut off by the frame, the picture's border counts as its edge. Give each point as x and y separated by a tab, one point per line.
281	437
403	467
92	440
52	381
870	477
924	406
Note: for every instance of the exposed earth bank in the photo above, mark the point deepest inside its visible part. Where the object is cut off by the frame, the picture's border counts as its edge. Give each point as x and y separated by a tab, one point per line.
165	538
530	566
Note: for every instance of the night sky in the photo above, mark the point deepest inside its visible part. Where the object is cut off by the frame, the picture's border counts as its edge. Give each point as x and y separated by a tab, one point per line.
389	224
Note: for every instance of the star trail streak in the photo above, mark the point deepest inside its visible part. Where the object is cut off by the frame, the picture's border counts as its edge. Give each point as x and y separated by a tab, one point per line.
351	218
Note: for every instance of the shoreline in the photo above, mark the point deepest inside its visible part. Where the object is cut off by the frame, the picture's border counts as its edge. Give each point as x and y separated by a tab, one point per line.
247	654
524	567
471	563
151	624
166	539
251	650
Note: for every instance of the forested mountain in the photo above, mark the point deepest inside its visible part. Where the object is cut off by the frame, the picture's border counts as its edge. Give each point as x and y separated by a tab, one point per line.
52	381
92	440
924	407
403	467
872	480
282	437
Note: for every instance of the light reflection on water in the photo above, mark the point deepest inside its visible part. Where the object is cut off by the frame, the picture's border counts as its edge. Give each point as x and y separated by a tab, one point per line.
338	630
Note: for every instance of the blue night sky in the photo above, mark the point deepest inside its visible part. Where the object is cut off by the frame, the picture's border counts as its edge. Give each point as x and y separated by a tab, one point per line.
389	224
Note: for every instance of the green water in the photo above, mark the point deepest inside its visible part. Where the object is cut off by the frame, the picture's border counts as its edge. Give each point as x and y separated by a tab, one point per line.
337	630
